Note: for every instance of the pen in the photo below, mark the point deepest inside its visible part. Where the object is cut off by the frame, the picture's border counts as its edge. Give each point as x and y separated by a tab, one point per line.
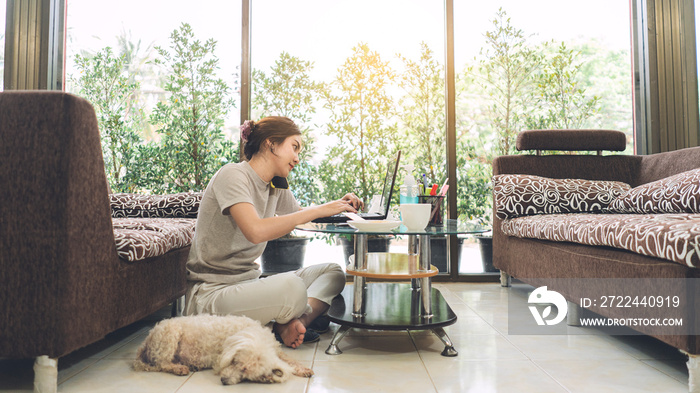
425	182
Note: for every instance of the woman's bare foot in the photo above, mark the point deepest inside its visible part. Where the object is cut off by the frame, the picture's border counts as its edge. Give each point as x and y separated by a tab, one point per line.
292	332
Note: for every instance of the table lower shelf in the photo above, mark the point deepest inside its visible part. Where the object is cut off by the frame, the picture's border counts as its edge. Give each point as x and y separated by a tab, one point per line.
391	266
391	306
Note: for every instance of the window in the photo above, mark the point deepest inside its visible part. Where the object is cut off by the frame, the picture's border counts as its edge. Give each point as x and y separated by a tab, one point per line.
551	49
144	68
362	79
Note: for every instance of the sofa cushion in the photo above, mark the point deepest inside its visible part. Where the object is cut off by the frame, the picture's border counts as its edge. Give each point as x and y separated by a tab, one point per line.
675	194
675	237
180	205
521	195
141	238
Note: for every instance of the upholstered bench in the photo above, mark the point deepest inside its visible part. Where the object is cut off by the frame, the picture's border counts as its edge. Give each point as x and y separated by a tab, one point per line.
147	226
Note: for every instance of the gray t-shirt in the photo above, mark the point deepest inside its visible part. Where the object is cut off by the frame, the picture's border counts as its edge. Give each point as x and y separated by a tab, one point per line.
220	252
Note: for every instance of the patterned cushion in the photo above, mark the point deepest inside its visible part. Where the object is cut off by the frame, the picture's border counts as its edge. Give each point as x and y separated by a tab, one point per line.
181	205
675	237
675	194
141	238
521	195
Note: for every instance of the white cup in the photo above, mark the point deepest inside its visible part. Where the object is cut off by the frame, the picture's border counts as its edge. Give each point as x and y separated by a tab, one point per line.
415	216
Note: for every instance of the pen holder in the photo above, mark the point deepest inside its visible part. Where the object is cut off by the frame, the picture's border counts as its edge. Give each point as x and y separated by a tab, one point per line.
436	213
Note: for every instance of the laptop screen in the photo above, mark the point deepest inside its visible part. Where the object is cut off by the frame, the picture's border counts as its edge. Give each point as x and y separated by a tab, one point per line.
389	180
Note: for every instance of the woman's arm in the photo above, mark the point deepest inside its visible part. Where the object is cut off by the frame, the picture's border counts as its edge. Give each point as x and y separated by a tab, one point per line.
258	230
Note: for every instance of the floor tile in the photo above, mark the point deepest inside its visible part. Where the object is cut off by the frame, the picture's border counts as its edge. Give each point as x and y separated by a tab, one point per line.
484	376
371	375
610	376
562	347
355	348
118	376
675	369
645	347
469	347
304	353
129	349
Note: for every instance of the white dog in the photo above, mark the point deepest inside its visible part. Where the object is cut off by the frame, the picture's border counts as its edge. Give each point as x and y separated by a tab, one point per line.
237	348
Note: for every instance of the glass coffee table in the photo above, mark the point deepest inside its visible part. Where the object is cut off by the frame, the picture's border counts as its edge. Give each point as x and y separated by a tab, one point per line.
393	306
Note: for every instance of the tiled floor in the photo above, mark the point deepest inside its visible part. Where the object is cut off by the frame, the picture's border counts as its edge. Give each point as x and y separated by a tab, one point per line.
490	360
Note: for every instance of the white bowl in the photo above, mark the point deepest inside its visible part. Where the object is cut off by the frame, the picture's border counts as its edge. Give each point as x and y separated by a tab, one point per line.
415	216
374	225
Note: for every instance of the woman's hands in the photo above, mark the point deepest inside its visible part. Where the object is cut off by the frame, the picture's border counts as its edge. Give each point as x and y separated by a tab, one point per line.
348	203
354	201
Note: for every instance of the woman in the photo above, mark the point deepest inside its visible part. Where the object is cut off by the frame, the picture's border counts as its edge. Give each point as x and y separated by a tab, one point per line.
241	210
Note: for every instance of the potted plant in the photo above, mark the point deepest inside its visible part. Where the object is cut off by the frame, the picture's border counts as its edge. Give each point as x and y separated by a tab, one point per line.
284	254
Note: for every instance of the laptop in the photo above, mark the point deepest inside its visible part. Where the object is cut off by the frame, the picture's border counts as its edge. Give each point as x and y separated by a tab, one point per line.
385	201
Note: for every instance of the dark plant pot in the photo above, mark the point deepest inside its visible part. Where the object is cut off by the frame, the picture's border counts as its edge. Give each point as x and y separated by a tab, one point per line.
374	244
284	255
486	248
438	252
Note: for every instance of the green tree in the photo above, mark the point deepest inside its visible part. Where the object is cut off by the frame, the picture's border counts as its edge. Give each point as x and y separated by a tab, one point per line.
605	73
422	112
560	100
289	91
104	81
139	60
191	119
474	201
505	75
361	121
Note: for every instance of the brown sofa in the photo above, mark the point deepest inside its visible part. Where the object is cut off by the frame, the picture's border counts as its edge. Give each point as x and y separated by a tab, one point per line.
541	262
63	284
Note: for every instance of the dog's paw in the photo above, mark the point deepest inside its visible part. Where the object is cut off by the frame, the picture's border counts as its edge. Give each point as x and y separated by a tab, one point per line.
180	369
301	371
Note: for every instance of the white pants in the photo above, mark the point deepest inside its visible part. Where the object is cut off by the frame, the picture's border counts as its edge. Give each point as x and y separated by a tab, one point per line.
280	297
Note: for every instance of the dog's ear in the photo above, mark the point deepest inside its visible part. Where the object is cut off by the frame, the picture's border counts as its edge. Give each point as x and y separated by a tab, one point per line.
228	353
232	345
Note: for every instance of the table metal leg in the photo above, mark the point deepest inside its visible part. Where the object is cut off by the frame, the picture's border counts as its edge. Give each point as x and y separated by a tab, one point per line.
425	287
339	334
449	350
358	300
413	249
426	301
360	257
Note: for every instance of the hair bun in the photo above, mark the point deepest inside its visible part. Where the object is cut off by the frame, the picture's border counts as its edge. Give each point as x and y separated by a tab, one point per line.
246	128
